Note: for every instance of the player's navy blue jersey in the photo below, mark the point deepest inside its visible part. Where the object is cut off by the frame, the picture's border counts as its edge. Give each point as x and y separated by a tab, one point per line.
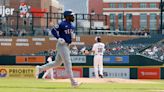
65	29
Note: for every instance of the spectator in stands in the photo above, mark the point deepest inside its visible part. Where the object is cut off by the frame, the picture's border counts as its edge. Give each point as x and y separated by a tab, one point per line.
155	52
131	50
11	30
74	50
22	32
82	50
47	31
86	52
162	57
52	51
1	33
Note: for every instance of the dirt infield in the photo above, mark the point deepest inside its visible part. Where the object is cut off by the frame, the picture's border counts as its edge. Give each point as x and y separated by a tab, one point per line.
104	80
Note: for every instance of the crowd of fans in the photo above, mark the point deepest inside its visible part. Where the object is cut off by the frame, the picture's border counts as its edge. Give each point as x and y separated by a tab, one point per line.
156	51
46	31
117	48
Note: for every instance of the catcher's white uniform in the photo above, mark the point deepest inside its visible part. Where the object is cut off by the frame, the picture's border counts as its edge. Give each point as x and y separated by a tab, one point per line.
98	49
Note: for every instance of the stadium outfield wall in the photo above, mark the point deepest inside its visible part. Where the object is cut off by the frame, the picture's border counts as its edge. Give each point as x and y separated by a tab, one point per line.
126	72
83	60
121	66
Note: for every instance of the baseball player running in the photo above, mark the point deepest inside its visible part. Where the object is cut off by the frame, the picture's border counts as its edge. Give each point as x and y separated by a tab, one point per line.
98	49
49	59
64	33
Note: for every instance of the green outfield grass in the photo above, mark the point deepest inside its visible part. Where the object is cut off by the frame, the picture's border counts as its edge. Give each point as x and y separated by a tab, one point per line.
33	85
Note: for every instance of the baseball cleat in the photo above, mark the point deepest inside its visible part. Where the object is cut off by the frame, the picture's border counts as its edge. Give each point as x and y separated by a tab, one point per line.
76	84
101	76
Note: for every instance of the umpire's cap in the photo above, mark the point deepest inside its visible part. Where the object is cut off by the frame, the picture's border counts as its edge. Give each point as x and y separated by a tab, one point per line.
68	13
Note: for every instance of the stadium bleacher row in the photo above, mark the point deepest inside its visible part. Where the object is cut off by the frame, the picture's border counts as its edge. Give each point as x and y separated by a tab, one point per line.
143	40
156	51
151	46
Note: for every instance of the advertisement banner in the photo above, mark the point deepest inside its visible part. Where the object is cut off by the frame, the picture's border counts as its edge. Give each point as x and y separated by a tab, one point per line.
3	72
113	73
30	59
4	11
115	59
17	71
61	73
148	73
78	59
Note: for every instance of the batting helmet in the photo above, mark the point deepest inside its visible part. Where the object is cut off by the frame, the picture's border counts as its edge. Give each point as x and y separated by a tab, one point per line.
68	13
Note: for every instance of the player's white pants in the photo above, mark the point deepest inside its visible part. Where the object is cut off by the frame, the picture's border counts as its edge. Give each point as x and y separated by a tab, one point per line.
49	71
62	56
98	65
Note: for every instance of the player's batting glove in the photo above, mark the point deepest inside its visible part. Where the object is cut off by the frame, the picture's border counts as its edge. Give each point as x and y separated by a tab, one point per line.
61	40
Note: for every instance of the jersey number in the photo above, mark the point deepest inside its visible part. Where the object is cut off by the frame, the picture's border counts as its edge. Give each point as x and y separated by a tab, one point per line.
100	50
68	31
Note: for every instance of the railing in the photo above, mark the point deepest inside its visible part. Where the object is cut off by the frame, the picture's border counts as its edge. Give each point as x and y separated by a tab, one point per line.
43	31
46	20
84	31
157	50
